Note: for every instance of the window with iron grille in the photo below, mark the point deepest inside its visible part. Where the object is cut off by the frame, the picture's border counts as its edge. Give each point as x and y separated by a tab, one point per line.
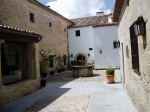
134	49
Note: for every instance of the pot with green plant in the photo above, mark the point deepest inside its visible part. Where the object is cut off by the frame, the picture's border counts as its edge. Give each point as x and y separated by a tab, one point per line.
64	59
110	74
51	64
43	68
59	63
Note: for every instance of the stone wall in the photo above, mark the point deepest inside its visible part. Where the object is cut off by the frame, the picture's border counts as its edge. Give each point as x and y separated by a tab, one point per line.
17	90
137	86
15	13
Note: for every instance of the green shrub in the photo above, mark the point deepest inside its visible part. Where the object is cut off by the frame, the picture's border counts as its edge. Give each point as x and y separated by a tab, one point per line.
110	71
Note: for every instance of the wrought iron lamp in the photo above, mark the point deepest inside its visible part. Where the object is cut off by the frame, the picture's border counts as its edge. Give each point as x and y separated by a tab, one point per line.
139	26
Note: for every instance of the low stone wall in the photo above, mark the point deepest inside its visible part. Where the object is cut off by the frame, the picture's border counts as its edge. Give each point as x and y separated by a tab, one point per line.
82	71
17	90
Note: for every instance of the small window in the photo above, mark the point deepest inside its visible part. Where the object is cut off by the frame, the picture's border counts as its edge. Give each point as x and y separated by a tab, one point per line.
32	18
50	24
77	32
90	49
65	30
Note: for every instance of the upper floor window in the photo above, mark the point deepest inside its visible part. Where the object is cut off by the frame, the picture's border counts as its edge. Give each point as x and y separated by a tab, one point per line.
32	18
50	24
65	29
77	32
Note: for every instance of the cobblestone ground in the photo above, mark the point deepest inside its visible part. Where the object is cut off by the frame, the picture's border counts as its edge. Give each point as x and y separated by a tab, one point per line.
67	77
80	103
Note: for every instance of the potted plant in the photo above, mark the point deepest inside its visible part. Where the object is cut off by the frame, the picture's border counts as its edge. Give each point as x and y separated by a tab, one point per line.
110	74
64	62
43	68
51	64
59	63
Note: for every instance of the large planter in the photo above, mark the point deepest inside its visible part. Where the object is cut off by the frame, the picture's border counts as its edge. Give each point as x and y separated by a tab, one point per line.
110	79
44	75
63	69
59	70
51	72
43	83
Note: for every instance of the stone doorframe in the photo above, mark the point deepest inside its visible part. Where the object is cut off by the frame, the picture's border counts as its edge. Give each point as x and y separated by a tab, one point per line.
75	58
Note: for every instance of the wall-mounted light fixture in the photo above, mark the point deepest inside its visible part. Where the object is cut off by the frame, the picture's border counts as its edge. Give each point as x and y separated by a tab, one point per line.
71	55
118	44
42	52
88	54
100	51
139	26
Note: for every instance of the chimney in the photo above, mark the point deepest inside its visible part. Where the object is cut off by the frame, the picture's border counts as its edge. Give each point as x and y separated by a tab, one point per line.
48	6
99	13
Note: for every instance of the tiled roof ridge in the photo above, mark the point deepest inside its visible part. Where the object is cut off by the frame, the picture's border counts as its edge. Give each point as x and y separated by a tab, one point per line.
87	17
19	30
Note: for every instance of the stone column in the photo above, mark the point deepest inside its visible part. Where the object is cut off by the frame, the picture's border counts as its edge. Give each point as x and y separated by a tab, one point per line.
0	71
36	63
24	65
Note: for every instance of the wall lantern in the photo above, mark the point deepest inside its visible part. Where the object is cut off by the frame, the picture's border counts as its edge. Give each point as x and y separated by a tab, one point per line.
100	51
118	44
42	52
71	55
88	54
139	26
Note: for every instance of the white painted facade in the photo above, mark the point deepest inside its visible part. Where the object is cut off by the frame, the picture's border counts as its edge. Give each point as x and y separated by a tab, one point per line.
96	38
103	40
82	43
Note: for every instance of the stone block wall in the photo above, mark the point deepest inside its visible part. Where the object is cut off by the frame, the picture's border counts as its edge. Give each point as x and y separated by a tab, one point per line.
15	13
137	86
17	90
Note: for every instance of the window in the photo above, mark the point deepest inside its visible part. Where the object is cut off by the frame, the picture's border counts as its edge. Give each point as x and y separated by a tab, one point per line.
11	63
50	24
77	32
32	18
65	30
134	50
116	44
90	49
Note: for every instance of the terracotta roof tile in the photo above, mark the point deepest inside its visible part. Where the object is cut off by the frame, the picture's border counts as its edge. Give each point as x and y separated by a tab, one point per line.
117	10
89	21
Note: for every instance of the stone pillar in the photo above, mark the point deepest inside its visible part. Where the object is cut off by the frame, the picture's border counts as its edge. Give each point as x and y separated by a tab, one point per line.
24	65
30	60
36	63
0	71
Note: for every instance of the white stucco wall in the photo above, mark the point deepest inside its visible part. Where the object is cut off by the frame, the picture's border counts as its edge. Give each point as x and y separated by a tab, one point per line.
103	39
82	43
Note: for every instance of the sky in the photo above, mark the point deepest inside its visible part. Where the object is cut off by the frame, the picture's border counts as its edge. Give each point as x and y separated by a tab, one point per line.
79	8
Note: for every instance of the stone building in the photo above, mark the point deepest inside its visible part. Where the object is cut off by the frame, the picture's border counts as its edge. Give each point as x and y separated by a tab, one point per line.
134	31
19	22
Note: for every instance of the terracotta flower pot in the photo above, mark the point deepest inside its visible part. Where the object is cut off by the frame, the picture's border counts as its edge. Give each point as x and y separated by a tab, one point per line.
110	79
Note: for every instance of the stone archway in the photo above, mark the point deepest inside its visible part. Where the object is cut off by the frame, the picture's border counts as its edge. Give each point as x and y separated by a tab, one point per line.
81	56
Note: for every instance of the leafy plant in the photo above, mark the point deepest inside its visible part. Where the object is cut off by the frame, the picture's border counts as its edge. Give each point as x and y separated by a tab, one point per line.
110	71
43	63
59	61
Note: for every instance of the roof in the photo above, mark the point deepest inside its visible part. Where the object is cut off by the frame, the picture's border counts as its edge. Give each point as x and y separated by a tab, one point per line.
48	9
9	31
89	21
117	10
107	24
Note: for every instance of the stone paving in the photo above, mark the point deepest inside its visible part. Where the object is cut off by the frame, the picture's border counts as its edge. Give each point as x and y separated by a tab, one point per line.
64	93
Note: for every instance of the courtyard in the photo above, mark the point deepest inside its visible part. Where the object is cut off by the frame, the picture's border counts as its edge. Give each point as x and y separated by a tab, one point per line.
63	93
